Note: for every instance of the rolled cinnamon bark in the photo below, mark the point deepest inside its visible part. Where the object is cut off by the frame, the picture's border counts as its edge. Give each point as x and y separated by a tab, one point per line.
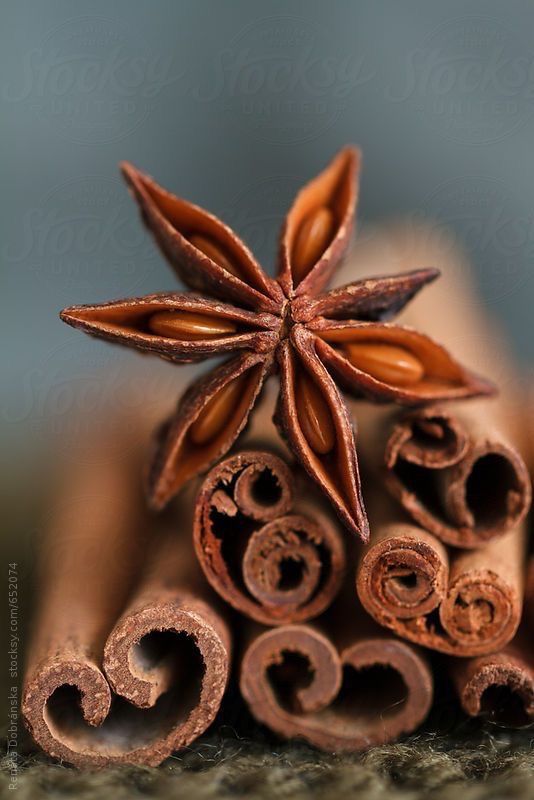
345	690
529	582
116	675
457	470
499	687
266	544
464	603
456	476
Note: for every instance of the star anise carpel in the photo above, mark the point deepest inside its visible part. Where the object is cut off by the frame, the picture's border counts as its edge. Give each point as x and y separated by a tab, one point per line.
288	325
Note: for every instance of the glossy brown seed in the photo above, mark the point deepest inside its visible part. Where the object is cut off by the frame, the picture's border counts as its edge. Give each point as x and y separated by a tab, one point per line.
214	252
189	326
311	241
218	411
386	362
314	416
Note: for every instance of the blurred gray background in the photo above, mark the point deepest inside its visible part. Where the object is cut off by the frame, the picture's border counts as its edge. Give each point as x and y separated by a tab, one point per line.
233	105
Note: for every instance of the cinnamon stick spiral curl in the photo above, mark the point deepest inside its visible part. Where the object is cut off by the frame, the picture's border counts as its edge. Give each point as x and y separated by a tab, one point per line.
272	560
456	475
499	687
160	683
130	656
466	605
368	692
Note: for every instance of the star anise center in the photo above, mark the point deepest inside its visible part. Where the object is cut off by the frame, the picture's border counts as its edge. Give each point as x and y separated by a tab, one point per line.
286	320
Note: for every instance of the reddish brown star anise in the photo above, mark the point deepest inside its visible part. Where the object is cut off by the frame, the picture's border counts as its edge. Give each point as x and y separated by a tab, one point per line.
286	325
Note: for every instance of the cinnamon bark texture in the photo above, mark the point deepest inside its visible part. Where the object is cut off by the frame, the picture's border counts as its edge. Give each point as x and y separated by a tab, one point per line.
346	689
314	339
265	544
499	687
529	582
456	474
120	672
457	470
464	603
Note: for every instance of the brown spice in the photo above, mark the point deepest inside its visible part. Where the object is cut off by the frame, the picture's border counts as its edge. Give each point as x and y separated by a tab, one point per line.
498	687
265	544
290	325
130	657
462	603
216	413
188	326
312	239
210	249
457	471
386	362
314	417
345	690
456	474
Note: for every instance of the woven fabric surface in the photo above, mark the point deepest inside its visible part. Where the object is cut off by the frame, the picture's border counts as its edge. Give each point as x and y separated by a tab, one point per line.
473	758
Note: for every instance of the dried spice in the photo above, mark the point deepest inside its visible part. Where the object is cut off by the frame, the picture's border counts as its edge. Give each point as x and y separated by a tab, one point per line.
342	686
456	474
463	603
130	655
290	325
500	686
458	471
265	544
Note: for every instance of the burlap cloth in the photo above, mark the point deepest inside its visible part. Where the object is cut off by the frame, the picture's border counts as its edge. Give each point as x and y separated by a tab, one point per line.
451	758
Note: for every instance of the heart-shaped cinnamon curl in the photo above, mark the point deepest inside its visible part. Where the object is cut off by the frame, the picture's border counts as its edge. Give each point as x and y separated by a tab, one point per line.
288	325
343	692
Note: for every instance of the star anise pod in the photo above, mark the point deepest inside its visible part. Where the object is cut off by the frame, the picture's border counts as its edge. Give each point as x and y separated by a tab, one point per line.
288	325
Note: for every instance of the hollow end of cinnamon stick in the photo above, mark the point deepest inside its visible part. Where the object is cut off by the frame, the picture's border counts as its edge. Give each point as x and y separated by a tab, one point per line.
160	688
264	543
403	574
457	476
130	656
464	499
499	687
367	692
482	609
463	603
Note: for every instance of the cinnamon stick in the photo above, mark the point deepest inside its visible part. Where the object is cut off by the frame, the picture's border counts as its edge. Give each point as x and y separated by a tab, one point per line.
265	541
529	449
456	475
529	585
500	686
463	603
343	685
123	666
457	470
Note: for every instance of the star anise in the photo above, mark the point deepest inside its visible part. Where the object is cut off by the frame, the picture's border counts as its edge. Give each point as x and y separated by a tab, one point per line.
287	325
